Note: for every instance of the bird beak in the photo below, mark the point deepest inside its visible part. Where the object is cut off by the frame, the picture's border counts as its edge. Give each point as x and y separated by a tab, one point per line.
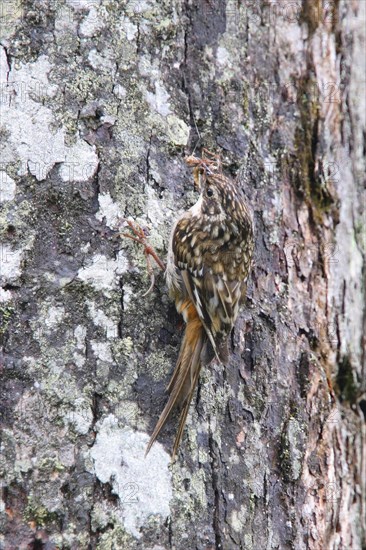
196	178
198	175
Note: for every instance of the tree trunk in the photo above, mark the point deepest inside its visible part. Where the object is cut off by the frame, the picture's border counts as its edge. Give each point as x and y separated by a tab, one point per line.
99	103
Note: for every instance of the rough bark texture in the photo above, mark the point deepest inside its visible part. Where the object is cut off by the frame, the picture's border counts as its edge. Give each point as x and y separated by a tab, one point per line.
99	102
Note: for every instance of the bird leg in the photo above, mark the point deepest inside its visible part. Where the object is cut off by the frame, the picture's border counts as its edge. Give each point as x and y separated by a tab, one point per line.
138	235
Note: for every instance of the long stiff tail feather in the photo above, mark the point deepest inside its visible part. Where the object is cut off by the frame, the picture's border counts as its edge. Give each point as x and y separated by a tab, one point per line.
184	380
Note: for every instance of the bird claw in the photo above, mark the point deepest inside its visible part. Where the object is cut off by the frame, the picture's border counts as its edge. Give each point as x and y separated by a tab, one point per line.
139	236
152	284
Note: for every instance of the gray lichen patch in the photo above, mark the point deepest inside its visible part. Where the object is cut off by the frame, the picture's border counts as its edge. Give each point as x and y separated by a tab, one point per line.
143	486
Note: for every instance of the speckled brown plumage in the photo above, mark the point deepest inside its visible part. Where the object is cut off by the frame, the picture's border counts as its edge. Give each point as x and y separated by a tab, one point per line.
209	260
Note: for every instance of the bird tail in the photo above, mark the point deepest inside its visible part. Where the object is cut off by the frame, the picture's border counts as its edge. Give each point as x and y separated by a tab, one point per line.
184	380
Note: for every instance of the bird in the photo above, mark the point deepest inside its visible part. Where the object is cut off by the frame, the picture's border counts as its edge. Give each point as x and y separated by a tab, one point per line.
209	260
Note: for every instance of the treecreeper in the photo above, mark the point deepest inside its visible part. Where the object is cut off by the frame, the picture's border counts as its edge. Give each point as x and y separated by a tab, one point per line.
209	260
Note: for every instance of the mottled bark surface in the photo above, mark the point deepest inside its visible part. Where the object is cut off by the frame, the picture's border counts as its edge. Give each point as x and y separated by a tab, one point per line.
100	100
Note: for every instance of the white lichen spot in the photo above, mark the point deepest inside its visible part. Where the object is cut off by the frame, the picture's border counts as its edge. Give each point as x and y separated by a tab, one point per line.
248	540
7	187
223	56
149	67
143	485
109	210
99	318
22	463
129	28
33	139
66	454
54	316
237	519
159	100
101	351
31	82
119	91
80	337
5	295
104	62
127	412
233	456
80	162
178	131
203	455
121	263
102	272
137	7
4	71
9	264
108	119
12	15
128	293
127	344
295	440
2	504
65	21
82	5
81	417
154	208
92	23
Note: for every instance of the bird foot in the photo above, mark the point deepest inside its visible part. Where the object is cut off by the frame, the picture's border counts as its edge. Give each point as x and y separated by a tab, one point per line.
139	236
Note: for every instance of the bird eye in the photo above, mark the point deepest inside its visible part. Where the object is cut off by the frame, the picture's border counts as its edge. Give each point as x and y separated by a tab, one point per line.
209	192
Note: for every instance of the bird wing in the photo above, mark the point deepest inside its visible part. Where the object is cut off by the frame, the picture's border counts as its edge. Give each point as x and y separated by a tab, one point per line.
205	279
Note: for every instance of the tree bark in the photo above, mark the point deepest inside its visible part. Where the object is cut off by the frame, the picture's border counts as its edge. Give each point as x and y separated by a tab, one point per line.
99	103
